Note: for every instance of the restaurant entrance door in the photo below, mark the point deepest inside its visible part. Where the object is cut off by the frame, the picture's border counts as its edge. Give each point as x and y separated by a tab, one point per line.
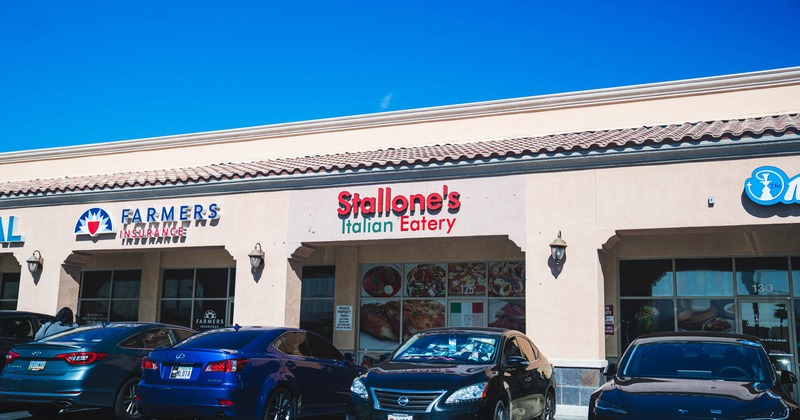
769	320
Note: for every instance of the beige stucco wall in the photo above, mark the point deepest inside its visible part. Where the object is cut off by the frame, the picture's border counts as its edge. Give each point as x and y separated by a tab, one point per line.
632	211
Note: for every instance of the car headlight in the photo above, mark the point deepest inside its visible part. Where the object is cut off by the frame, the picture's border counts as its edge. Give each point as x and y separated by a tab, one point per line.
468	393
358	389
776	413
604	404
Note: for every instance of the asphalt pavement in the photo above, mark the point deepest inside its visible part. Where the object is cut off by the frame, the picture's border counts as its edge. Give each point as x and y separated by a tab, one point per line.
18	413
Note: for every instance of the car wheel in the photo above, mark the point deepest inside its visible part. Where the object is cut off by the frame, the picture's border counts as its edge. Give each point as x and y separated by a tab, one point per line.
125	404
549	407
280	406
44	411
500	411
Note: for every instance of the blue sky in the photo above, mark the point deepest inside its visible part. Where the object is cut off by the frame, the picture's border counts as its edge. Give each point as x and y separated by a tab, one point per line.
79	72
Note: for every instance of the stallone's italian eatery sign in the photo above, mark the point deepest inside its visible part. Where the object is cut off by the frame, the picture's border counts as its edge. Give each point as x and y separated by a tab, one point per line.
381	210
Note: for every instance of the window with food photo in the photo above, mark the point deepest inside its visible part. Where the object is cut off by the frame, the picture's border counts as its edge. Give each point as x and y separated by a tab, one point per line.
398	300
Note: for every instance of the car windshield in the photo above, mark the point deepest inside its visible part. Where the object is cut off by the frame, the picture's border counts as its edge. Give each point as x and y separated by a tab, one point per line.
85	335
229	340
460	348
728	361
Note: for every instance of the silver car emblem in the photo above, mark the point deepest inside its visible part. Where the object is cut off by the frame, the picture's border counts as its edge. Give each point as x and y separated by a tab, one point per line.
402	401
180	356
36	353
682	411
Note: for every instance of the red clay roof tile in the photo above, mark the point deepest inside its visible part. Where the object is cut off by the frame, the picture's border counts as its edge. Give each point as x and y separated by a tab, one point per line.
505	148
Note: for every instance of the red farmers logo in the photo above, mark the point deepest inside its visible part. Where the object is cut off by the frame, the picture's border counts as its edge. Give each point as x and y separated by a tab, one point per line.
93	222
413	212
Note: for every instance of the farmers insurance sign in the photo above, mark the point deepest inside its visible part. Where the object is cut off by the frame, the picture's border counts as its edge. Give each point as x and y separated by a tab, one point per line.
458	208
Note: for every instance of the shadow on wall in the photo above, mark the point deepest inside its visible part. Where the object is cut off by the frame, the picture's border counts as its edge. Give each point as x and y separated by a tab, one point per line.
764	212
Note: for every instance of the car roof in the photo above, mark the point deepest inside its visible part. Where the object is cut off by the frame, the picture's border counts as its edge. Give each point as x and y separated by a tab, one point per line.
132	324
484	330
694	336
11	312
255	328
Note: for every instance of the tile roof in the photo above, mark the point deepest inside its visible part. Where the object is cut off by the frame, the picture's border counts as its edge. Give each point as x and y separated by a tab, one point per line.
407	156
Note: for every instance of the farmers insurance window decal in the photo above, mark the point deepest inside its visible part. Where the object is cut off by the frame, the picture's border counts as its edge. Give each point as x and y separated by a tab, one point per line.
397	300
769	185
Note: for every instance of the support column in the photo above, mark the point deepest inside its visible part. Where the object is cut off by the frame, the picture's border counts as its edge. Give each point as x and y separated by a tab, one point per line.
149	291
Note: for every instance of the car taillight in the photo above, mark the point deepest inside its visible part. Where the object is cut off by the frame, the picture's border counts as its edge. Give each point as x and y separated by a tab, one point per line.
233	365
149	364
81	357
10	356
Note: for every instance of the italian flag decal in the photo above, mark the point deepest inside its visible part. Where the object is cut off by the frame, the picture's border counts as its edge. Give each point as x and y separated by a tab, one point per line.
467	314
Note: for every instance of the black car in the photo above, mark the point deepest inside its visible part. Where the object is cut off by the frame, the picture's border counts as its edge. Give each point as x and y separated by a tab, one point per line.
95	366
17	327
695	375
458	373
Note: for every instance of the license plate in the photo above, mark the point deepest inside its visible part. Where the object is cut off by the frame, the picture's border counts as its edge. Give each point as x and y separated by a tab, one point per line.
36	365
180	372
400	417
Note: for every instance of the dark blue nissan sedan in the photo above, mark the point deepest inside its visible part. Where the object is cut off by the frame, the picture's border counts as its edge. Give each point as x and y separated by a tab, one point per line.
458	373
695	375
247	373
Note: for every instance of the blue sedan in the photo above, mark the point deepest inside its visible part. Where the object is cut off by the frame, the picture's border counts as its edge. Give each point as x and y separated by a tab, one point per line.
92	366
247	373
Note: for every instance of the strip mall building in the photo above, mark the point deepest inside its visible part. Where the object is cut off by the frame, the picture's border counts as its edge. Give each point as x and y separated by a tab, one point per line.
679	203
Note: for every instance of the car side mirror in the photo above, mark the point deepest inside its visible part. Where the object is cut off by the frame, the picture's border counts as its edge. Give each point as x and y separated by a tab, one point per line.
516	362
349	357
788	377
610	370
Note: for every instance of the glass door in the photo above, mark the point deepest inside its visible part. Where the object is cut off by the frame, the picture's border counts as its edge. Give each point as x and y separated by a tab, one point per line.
769	320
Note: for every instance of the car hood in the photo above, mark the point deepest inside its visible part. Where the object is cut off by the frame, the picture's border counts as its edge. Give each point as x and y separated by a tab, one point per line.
402	375
690	398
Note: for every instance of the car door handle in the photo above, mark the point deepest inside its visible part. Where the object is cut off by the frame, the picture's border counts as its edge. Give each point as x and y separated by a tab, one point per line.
291	365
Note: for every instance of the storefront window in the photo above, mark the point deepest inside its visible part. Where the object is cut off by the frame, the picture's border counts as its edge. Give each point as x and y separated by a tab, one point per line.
397	300
704	299
200	298
109	295
316	300
717	315
645	278
9	290
642	316
762	276
704	277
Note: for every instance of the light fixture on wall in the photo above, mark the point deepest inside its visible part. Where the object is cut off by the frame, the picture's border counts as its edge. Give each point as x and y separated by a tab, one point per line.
256	256
558	249
35	262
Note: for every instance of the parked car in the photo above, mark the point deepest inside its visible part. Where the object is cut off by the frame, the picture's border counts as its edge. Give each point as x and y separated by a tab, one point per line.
695	375
458	373
247	373
17	327
89	366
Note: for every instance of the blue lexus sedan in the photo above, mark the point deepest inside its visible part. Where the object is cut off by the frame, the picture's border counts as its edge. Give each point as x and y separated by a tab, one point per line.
93	366
247	373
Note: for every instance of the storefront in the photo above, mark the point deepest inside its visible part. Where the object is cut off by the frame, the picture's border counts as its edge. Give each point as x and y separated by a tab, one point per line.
678	203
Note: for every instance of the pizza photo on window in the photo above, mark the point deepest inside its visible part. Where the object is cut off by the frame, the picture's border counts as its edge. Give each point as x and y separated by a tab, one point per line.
425	280
381	281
